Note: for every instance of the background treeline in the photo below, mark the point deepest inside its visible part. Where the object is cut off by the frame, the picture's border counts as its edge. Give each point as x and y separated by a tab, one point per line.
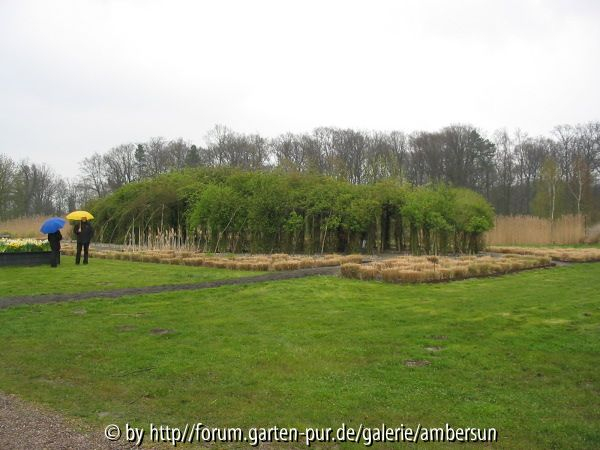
28	189
517	173
225	209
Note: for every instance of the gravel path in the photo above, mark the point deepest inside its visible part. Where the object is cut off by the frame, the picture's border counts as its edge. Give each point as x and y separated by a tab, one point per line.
26	427
270	276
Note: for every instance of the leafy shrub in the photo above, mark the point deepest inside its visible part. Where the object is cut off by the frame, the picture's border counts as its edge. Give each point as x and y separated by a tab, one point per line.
221	210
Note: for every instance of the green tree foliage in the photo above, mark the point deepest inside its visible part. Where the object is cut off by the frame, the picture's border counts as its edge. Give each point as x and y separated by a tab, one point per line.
237	211
471	216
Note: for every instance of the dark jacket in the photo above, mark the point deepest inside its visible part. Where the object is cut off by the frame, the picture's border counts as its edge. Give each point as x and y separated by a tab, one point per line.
85	234
54	239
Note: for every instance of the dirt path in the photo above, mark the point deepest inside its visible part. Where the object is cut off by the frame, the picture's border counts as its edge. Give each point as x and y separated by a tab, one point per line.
24	426
270	276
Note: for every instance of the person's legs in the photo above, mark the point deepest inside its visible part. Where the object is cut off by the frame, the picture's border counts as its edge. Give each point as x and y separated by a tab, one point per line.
86	248
58	256
53	258
78	255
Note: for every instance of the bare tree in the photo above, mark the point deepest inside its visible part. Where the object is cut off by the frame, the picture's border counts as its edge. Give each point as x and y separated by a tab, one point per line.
119	166
349	157
7	174
380	161
289	152
468	157
530	155
217	140
588	144
505	169
178	151
227	148
94	173
325	138
427	157
157	158
34	187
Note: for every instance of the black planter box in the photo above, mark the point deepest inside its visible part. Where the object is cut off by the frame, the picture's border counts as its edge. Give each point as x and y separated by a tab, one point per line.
24	259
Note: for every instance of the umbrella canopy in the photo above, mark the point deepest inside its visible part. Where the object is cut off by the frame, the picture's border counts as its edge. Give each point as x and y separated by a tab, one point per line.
52	225
78	215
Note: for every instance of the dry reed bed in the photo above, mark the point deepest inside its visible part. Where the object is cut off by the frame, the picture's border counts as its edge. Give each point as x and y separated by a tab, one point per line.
557	254
28	227
529	230
421	269
275	262
593	234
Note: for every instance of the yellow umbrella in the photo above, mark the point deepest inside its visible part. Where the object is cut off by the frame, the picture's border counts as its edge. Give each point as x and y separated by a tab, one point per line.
78	215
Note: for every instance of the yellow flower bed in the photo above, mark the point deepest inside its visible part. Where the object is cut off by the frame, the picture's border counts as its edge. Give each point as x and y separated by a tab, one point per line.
23	245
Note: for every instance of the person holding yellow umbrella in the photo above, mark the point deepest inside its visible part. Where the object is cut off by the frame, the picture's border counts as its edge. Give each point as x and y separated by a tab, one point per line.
84	232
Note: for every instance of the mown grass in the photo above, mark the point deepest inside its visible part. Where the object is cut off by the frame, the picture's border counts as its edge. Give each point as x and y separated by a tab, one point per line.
518	353
100	275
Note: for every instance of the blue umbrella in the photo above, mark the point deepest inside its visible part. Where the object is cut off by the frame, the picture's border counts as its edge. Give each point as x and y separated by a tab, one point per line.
52	225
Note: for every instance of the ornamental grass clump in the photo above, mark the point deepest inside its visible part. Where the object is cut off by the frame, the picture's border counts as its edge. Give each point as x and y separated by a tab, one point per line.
473	270
443	274
556	254
411	276
419	269
350	270
367	273
274	262
459	272
351	259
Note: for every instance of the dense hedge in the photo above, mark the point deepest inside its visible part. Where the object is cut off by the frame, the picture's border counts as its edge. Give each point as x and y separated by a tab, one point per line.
236	211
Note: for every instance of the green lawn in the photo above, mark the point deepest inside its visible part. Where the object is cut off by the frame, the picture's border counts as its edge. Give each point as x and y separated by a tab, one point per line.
518	353
103	274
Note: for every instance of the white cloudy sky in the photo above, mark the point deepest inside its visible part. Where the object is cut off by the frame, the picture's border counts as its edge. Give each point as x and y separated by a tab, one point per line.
81	76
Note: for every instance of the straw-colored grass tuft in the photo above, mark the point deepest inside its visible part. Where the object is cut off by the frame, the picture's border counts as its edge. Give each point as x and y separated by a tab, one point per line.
274	262
419	269
555	254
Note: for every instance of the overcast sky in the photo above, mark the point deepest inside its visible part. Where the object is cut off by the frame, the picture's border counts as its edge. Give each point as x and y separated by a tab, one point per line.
82	76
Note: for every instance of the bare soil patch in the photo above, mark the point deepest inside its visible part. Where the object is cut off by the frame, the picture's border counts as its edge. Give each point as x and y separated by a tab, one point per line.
434	348
161	331
439	338
416	362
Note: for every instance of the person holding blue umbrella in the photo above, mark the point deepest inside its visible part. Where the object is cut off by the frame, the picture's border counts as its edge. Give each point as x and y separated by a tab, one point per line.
52	227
